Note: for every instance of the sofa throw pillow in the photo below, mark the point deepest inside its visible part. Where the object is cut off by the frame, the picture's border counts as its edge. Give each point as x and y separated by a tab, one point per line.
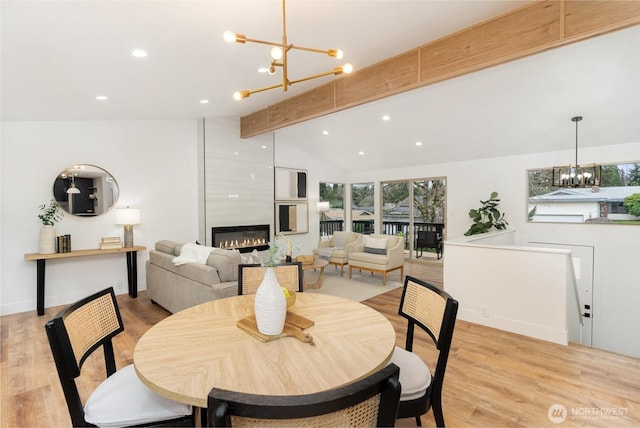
340	239
375	245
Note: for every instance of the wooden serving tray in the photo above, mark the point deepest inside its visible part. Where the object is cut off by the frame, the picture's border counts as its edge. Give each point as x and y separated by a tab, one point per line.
293	326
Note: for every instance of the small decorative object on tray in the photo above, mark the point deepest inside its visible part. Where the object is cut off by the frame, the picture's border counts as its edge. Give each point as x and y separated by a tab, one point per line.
110	242
305	260
290	296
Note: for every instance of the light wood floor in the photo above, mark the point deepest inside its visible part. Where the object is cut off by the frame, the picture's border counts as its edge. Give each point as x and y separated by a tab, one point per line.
494	378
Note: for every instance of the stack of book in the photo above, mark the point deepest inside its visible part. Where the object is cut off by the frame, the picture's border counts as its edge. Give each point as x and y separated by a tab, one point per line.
64	243
110	242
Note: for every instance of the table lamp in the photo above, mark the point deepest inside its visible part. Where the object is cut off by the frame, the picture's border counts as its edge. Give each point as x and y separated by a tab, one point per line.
128	217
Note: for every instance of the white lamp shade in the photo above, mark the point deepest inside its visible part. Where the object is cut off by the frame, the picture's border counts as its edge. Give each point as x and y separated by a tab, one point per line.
127	216
323	207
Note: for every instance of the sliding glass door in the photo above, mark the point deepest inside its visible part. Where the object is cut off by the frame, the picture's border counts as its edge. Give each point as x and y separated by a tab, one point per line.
416	209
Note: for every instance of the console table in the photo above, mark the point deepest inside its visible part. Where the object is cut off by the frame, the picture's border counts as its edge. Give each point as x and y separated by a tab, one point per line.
132	267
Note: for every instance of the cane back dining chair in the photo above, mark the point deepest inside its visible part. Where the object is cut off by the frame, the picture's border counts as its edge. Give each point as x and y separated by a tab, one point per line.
434	311
250	276
369	402
121	399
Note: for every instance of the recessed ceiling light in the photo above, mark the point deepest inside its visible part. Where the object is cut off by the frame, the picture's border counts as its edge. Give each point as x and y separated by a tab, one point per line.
204	101
139	53
325	132
418	143
101	98
263	70
361	153
236	153
386	117
263	146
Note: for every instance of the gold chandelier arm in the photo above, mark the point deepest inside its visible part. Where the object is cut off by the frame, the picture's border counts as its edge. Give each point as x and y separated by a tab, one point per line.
263	42
336	71
246	94
328	52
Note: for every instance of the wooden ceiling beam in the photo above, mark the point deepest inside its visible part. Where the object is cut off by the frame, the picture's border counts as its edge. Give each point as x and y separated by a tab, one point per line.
530	29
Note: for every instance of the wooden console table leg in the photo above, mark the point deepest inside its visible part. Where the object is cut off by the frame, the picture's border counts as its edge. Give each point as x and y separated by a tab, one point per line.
132	273
40	287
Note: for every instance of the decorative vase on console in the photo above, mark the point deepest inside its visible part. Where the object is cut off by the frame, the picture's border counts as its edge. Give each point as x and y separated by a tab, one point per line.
270	304
49	215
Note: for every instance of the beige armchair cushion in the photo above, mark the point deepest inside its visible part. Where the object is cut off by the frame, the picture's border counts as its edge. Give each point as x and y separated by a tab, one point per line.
384	263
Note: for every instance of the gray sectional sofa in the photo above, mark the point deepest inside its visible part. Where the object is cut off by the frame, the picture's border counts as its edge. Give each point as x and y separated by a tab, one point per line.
179	287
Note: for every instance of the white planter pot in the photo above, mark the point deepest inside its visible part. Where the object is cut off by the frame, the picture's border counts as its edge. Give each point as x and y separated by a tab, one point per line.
47	240
270	305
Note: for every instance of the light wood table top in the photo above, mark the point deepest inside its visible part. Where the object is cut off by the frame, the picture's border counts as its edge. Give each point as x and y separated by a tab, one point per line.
83	253
185	355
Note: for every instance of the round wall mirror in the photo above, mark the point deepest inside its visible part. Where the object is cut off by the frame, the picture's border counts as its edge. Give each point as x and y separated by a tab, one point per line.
85	190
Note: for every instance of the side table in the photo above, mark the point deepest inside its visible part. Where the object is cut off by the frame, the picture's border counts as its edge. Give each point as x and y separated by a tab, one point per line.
132	268
318	263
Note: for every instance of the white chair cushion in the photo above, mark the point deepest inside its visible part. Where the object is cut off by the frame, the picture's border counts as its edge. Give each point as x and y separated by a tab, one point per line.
340	239
375	245
415	376
123	400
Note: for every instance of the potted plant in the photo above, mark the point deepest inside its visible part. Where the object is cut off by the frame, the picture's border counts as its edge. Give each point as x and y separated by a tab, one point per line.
49	215
486	217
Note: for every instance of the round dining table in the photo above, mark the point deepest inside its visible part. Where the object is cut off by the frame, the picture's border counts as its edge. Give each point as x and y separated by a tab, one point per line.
188	353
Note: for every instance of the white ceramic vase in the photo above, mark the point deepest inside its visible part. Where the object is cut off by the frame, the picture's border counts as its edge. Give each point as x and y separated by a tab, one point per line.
47	240
270	304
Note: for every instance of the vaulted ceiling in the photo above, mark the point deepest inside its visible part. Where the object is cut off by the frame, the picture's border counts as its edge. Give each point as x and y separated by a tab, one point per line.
57	56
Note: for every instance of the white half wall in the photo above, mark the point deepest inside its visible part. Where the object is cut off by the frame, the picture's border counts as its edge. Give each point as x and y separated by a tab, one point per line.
524	290
154	163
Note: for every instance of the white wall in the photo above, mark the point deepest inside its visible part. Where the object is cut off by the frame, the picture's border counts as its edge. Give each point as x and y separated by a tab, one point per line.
154	163
616	292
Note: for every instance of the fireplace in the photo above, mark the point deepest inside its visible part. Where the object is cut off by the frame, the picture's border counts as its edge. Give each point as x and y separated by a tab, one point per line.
242	238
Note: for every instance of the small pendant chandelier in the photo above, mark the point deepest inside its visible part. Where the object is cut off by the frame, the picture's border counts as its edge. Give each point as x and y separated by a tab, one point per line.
577	175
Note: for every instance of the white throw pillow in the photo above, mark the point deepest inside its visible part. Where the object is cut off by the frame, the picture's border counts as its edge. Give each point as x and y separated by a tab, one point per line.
340	239
375	245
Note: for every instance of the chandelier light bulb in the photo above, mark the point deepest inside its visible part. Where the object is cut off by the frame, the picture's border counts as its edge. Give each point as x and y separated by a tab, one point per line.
347	68
339	54
276	52
229	36
238	95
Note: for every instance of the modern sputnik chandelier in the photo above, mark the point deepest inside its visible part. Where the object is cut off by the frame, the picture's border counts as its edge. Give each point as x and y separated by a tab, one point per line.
279	59
577	175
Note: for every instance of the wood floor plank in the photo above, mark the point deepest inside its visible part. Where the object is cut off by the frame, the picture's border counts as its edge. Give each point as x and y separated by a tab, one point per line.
494	378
